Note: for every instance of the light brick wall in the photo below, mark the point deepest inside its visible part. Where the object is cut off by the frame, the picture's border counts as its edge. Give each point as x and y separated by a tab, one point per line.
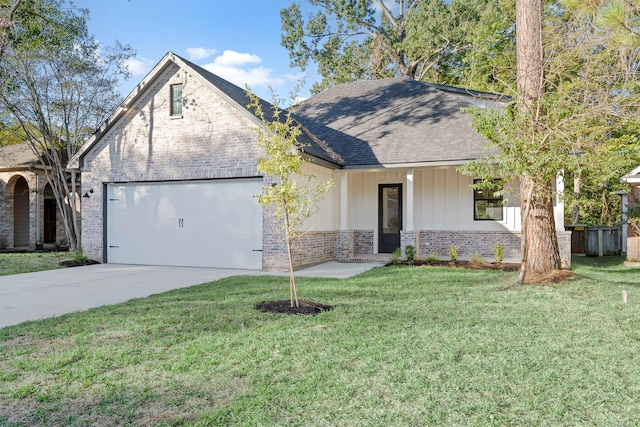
7	192
37	182
314	247
352	243
212	139
633	248
469	242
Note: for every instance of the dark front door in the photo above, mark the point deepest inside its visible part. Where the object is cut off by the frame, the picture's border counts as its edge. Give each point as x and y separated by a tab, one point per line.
389	217
49	220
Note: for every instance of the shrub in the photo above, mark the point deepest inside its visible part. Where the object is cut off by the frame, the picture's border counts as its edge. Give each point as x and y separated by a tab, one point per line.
79	256
453	253
498	252
396	256
476	258
410	253
432	257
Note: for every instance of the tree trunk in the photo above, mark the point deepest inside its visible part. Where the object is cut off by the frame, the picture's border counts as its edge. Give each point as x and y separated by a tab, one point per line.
542	253
540	246
293	292
530	53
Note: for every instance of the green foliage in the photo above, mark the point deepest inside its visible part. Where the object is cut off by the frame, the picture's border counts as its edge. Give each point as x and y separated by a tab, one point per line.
498	252
596	202
396	256
292	193
410	253
584	124
432	257
476	258
431	40
58	85
10	133
453	253
79	256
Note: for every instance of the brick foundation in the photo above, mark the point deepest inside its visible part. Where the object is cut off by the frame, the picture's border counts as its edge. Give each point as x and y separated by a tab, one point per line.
470	242
353	243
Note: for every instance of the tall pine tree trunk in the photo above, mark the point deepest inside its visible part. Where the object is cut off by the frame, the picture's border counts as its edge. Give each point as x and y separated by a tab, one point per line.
540	252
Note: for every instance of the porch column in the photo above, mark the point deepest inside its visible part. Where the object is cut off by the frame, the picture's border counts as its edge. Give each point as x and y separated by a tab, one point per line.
409	223
624	200
559	202
343	201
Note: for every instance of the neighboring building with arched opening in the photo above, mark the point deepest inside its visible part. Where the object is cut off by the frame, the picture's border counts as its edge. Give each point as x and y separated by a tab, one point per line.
29	216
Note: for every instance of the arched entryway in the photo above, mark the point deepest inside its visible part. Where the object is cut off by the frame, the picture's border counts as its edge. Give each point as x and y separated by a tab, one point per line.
49	216
21	213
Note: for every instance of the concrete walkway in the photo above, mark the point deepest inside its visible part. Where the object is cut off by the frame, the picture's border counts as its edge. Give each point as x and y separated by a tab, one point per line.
33	296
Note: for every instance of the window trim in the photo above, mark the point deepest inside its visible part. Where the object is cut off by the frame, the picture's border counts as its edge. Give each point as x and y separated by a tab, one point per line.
490	200
173	100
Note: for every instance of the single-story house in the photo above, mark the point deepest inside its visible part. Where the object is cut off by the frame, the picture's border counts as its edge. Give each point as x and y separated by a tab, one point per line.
28	211
172	176
632	199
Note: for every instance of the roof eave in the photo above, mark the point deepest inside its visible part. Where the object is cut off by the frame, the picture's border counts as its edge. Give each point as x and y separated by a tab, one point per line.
409	165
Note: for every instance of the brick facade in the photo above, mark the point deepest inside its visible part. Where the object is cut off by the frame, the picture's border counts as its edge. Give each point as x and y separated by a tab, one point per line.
215	138
36	183
314	247
212	139
350	244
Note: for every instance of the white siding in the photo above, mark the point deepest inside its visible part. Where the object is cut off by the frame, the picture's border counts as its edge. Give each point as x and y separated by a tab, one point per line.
327	217
443	200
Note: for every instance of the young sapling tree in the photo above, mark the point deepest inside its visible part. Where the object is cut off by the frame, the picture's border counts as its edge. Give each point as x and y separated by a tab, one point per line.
291	192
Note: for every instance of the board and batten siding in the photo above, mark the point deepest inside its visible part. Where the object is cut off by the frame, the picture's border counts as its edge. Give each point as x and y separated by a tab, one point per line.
443	200
328	215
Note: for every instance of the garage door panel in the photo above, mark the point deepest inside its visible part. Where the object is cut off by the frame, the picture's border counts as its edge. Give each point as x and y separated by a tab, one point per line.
203	223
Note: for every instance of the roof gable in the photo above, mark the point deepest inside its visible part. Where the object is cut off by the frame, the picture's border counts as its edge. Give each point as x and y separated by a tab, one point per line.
632	177
236	97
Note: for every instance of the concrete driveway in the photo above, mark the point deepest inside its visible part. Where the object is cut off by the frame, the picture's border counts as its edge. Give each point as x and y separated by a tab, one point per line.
34	296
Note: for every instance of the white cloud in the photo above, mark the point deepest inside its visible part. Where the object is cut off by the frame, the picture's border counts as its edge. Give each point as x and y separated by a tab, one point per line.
229	58
139	66
244	69
200	53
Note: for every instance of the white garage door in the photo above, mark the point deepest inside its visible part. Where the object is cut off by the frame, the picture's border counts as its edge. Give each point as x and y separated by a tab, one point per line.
192	223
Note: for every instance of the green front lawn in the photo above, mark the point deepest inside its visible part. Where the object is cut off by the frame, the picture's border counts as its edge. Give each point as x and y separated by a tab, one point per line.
16	263
403	346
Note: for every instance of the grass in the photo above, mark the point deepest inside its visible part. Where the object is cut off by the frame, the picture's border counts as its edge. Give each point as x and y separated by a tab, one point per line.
403	346
17	263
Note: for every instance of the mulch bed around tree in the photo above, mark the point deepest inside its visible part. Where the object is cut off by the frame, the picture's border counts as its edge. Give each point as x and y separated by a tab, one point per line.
77	263
284	307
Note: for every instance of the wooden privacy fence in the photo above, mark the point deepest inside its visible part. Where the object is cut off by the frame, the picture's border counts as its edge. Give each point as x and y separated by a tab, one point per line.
596	241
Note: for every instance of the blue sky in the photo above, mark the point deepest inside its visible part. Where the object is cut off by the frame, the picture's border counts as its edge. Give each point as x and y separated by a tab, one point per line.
239	40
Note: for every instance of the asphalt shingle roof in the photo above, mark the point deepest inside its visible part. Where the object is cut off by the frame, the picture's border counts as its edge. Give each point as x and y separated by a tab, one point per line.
17	156
392	121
